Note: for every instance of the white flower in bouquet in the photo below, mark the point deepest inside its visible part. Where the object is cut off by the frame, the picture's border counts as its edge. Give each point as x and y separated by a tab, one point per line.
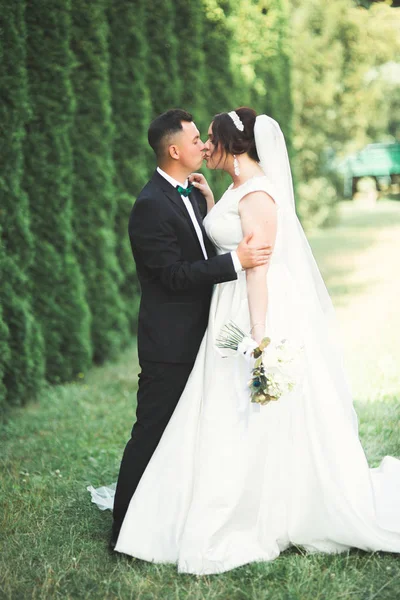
271	357
287	351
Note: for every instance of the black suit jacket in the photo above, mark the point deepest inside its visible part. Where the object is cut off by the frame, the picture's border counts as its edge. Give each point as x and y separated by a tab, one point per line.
175	280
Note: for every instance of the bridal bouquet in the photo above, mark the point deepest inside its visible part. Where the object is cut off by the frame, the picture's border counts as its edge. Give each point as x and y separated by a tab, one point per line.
276	367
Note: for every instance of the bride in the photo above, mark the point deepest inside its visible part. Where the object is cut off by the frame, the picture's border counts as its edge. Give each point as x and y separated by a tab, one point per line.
231	482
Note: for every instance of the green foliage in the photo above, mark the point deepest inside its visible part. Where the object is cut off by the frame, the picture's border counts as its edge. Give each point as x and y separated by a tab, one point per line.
94	192
220	88
319	200
57	283
218	41
189	29
131	115
130	96
24	372
278	68
343	95
129	284
248	60
262	61
21	365
162	74
4	336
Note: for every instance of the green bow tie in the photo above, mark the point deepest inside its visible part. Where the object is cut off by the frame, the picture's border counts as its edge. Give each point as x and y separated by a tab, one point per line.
184	191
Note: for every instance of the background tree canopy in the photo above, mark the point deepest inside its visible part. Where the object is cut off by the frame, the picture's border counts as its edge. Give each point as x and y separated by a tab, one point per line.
79	83
346	90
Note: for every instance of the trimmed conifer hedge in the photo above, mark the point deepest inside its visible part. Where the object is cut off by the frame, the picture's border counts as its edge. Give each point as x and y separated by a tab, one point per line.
59	292
94	192
130	95
4	335
277	71
189	30
163	78
217	44
220	90
23	364
131	115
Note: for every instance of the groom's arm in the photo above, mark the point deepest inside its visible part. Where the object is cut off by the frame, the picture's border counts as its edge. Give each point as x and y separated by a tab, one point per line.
155	244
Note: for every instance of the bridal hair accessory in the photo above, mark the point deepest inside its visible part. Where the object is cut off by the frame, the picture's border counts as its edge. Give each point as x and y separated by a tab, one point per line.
236	167
236	120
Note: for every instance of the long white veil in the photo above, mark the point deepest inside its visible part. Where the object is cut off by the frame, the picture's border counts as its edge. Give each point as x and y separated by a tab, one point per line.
314	298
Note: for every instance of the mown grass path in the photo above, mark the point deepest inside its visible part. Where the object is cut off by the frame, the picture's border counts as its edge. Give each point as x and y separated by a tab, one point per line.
53	541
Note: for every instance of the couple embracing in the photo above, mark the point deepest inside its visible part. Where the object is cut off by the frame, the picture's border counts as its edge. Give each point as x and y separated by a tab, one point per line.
207	481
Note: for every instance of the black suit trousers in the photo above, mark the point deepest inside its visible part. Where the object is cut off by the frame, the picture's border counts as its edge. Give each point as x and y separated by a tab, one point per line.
160	387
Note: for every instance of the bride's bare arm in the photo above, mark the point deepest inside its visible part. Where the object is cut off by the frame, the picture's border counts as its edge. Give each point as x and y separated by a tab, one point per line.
258	216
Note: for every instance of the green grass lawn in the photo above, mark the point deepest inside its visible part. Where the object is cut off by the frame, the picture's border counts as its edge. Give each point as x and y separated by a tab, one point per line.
54	541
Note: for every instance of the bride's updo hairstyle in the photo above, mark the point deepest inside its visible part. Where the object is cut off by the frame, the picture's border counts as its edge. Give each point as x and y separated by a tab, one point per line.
228	138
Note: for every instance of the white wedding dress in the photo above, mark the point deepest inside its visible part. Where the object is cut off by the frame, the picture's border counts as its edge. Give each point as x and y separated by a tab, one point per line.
230	482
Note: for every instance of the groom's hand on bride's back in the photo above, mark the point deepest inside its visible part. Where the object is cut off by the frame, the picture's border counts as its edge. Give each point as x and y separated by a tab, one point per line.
252	256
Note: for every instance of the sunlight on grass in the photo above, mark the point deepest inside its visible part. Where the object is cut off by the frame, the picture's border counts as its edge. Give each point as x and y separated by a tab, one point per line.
359	260
54	540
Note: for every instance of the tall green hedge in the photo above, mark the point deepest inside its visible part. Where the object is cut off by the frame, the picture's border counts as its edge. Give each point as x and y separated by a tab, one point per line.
94	192
162	68
131	115
130	95
277	70
189	30
23	371
4	333
261	57
59	292
222	94
220	88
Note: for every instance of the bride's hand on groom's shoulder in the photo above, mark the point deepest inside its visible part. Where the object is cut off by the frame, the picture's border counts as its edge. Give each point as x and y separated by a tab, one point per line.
200	182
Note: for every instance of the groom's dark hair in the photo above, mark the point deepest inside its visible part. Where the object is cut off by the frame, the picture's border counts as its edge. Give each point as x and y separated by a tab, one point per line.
164	126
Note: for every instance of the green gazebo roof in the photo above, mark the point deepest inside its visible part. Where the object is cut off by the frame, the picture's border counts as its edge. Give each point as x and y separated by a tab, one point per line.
375	160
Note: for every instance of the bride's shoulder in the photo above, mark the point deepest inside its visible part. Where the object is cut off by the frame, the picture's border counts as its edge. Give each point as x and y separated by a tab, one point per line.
260	183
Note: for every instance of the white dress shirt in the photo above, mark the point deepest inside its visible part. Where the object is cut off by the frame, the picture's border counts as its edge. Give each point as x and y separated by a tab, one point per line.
236	262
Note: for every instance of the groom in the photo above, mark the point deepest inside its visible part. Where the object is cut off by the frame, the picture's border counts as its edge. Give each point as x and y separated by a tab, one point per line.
177	267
